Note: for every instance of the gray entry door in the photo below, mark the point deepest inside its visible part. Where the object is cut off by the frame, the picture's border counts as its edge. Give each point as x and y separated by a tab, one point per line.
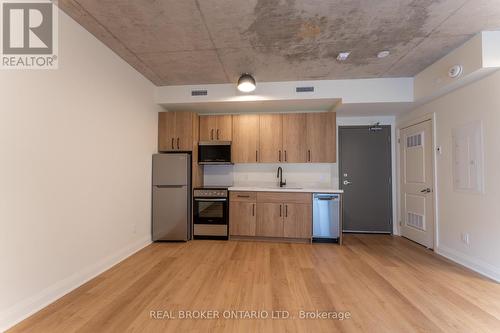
365	177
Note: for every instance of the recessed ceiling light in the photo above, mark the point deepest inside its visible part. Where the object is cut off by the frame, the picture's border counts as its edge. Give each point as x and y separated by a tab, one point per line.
246	83
383	54
343	56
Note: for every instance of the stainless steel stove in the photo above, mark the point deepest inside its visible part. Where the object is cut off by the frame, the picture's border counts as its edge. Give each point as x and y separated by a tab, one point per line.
211	213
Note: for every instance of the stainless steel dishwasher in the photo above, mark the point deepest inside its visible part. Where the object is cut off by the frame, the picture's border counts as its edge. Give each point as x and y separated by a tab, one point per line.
326	217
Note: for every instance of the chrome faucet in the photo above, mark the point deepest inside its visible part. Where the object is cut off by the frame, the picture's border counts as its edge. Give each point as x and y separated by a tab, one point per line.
280	176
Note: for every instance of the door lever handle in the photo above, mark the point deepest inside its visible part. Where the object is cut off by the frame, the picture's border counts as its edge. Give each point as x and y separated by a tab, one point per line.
346	182
426	190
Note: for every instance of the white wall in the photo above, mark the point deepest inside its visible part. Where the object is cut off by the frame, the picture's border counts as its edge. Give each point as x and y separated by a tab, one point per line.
381	90
458	212
479	57
75	171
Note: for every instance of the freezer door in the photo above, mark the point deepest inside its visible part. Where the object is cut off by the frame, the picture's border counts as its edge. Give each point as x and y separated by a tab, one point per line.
171	169
171	218
326	216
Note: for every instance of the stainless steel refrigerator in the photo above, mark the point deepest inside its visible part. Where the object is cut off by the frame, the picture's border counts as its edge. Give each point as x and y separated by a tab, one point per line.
171	197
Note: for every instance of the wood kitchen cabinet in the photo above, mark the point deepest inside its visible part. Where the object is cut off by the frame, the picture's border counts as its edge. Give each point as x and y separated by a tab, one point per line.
245	144
243	218
216	128
270	138
166	131
270	219
284	215
294	138
176	131
270	214
321	137
297	220
242	214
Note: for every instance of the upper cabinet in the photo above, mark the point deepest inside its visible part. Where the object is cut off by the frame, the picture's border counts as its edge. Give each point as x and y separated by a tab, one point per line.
294	138
208	125
245	144
224	131
256	138
176	131
216	128
321	137
297	138
270	138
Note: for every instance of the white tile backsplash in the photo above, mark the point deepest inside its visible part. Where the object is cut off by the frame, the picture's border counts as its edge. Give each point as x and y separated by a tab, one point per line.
295	173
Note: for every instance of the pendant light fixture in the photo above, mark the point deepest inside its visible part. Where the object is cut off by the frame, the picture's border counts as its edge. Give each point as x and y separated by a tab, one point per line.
246	83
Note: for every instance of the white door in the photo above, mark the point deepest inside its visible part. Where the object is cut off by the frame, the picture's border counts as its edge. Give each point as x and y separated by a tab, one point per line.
417	183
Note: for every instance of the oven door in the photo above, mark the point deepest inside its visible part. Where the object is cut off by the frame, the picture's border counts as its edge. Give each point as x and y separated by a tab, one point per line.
210	211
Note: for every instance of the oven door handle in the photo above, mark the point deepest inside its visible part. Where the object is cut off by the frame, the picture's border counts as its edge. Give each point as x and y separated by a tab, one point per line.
210	200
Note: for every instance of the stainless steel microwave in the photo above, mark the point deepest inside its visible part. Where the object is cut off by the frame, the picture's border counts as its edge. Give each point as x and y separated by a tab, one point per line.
214	152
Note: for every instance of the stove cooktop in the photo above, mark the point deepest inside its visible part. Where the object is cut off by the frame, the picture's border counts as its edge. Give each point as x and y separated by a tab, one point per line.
210	191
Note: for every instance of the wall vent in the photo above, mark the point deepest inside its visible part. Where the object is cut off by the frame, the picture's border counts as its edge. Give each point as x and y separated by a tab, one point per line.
304	89
199	92
414	140
415	220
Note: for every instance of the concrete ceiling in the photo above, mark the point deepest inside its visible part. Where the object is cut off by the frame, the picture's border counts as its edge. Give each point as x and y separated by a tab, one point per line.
180	42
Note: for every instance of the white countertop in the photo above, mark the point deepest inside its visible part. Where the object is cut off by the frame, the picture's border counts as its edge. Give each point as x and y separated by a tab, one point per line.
309	188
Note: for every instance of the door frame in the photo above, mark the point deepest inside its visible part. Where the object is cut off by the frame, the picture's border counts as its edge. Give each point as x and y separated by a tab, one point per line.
400	126
339	141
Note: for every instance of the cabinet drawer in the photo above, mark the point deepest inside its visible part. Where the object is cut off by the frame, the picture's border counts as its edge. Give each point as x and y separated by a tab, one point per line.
242	196
284	197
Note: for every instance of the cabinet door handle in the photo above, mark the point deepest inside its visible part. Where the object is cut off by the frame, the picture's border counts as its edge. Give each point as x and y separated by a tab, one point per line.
172	143
178	143
285	157
256	156
212	134
286	210
309	156
243	196
279	155
217	134
253	210
280	210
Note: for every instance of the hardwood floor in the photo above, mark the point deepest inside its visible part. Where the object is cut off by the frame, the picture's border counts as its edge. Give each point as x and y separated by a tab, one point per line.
387	284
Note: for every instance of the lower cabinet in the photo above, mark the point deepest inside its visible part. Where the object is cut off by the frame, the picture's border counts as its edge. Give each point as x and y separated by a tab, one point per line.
270	220
297	220
270	214
242	218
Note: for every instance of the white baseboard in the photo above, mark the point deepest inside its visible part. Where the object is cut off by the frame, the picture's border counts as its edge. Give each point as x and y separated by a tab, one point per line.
29	306
475	264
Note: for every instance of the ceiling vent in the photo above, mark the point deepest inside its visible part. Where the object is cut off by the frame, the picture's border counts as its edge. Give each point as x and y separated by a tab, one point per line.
199	92
304	89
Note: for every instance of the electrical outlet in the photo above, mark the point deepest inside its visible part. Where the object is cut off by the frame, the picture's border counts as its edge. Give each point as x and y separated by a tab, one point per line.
465	237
